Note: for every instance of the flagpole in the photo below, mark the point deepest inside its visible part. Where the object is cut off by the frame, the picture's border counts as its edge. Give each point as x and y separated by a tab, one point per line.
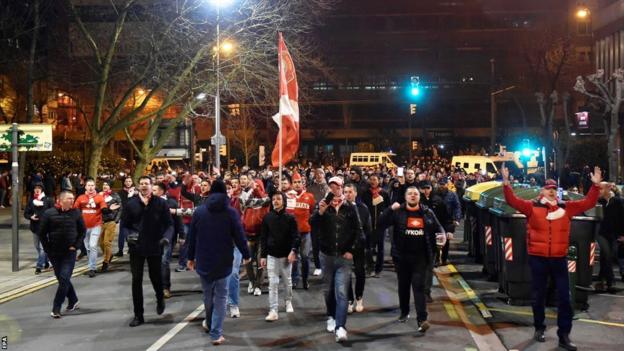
281	141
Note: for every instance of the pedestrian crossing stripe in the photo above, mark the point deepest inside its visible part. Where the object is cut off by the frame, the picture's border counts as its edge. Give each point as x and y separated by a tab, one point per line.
450	310
554	316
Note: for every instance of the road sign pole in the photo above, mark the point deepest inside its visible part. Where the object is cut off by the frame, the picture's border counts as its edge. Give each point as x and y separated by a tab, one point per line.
16	199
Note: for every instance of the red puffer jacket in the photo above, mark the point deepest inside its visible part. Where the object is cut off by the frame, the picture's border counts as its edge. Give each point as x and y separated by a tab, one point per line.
548	226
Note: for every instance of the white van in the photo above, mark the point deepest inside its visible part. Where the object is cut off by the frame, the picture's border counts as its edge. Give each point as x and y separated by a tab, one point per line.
372	159
472	164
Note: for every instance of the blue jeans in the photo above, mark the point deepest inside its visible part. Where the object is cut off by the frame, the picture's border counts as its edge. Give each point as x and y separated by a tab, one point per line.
63	269
336	281
234	279
42	258
182	260
557	269
305	250
91	240
215	300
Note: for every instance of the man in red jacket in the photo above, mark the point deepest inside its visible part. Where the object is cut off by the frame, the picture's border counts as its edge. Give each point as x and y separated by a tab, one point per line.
548	237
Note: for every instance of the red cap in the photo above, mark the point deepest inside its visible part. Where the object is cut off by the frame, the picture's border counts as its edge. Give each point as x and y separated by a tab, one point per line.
296	176
550	184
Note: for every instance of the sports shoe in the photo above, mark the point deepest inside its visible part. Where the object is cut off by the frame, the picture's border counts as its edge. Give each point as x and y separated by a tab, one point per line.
250	288
566	344
289	307
136	321
167	293
350	307
234	312
403	318
272	316
73	307
422	328
257	292
37	271
341	334
160	307
331	325
218	341
55	314
539	336
91	274
373	275
206	326
359	305
317	272
181	269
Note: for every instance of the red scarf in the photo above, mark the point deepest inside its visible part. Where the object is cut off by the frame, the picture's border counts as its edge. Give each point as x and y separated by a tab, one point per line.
375	191
39	197
107	193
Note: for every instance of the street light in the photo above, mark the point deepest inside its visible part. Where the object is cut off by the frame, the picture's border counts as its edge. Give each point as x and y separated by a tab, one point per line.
582	13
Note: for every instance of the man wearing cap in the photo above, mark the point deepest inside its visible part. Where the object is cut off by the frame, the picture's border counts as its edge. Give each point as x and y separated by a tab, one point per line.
300	204
548	238
338	225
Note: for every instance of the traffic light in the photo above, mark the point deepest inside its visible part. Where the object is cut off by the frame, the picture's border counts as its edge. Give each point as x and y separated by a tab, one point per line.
415	85
223	150
412	109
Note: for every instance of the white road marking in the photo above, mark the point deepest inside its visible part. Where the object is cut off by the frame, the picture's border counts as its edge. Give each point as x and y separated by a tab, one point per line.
175	330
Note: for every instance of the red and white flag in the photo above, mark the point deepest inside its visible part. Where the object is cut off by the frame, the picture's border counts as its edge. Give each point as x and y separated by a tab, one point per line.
287	118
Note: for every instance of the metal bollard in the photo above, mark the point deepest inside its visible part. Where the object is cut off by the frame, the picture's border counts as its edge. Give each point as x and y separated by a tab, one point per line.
572	258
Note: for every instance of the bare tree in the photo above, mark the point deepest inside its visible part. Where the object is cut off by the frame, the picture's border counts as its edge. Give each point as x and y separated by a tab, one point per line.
243	132
607	91
165	51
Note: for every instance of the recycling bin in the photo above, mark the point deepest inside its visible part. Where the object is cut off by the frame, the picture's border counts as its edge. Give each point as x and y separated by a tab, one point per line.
471	223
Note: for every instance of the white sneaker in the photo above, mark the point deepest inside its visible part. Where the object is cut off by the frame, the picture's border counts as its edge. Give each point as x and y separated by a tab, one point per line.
289	307
359	305
250	288
350	308
234	312
317	272
205	325
257	292
331	325
272	316
341	334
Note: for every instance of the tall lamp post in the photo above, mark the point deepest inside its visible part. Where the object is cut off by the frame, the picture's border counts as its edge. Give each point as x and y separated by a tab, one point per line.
218	137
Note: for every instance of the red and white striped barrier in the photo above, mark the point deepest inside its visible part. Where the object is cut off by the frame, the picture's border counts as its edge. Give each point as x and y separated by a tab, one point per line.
508	249
592	253
571	266
488	235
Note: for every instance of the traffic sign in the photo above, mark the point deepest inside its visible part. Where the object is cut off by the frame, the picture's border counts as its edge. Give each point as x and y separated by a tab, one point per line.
32	137
213	140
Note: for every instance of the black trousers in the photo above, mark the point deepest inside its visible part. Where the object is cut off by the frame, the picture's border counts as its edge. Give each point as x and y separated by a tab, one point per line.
411	273
137	262
359	260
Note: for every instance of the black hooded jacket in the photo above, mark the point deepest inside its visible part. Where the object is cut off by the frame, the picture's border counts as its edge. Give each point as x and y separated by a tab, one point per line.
278	233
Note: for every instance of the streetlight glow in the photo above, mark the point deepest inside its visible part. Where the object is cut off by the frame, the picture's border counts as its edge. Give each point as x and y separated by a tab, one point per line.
221	3
582	13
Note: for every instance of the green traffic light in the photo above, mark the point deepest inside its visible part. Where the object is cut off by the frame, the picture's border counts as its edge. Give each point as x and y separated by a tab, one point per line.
415	91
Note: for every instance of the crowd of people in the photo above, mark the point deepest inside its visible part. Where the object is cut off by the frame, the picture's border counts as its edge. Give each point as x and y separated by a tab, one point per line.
328	221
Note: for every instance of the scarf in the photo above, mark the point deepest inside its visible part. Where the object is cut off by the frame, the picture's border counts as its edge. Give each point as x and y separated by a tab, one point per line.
107	193
91	193
554	211
375	191
38	200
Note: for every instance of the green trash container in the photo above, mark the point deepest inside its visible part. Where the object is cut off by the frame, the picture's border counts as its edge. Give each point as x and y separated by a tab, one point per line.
485	230
512	259
583	232
471	223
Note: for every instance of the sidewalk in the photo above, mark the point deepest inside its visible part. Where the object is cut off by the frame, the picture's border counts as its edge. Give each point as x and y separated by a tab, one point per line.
15	284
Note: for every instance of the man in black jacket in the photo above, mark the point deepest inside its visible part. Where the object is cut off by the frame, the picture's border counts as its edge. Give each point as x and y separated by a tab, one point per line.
360	249
37	205
146	218
171	236
376	200
279	241
61	231
338	226
611	228
414	245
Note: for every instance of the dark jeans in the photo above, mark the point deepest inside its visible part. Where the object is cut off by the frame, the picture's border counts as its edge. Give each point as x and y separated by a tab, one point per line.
183	254
121	240
377	243
608	252
63	269
136	267
359	258
316	248
557	269
336	279
411	273
255	273
166	259
429	278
